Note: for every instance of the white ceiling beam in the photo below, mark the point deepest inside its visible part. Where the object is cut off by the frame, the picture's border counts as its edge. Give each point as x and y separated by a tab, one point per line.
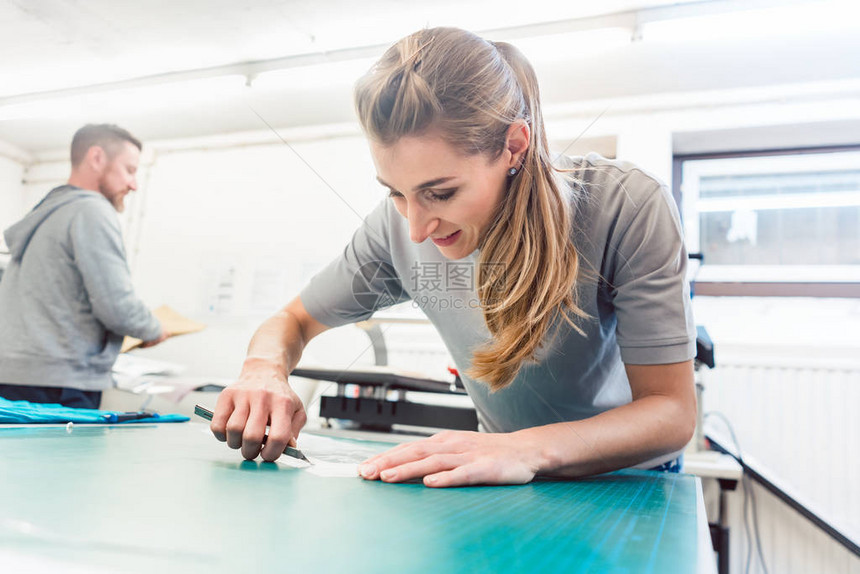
15	153
631	19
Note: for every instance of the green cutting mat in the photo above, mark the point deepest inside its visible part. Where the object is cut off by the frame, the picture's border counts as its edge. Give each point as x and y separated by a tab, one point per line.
171	498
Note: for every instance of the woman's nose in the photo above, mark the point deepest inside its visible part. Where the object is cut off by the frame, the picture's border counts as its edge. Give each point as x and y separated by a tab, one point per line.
421	223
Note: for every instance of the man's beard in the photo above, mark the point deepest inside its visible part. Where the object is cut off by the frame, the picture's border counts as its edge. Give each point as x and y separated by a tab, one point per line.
118	201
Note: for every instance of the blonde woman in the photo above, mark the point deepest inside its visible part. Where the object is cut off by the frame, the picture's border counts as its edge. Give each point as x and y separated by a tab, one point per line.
575	339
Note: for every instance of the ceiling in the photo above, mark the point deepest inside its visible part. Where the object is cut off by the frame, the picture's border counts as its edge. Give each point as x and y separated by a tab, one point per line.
167	69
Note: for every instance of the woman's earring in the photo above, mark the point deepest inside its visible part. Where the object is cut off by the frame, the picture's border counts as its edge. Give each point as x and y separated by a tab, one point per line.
512	172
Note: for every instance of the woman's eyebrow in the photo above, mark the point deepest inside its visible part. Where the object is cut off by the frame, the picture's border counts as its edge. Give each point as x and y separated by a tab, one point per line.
425	185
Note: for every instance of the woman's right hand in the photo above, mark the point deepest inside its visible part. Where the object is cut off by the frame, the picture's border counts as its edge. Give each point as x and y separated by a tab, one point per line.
262	394
260	397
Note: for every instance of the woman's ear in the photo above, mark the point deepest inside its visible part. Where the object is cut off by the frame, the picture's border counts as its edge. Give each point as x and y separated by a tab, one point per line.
517	142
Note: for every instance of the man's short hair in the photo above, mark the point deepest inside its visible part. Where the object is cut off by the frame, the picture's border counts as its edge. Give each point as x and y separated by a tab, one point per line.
106	136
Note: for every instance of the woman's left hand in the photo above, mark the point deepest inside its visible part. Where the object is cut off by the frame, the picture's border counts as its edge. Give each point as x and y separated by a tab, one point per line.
457	458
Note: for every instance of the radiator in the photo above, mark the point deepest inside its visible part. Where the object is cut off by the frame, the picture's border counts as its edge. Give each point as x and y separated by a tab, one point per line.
797	419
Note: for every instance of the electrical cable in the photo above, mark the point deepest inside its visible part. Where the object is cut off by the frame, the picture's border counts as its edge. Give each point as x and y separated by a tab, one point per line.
749	500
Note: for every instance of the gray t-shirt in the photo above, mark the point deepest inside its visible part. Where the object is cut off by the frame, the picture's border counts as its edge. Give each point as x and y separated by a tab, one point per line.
632	284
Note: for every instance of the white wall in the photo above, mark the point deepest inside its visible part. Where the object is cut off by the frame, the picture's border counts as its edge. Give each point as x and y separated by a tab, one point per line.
230	235
11	202
260	211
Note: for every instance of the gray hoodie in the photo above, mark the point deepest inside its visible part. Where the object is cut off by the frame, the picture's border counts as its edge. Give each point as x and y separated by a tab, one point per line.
66	297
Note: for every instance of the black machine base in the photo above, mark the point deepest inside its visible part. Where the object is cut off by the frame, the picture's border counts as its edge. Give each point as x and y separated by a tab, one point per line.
381	414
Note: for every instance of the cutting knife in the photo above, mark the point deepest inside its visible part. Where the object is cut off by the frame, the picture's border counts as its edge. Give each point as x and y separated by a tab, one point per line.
289	451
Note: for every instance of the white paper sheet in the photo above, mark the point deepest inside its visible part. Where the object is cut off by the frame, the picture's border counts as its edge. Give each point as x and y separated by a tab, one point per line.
330	457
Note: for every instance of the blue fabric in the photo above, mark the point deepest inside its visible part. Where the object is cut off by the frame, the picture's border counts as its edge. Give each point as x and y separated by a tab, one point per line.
17	412
675	465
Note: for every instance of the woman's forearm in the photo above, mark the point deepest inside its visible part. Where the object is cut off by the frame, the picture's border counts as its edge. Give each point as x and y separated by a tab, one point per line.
277	343
619	438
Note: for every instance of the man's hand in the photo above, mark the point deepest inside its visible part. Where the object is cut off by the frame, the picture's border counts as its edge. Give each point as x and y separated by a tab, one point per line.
457	458
161	338
260	397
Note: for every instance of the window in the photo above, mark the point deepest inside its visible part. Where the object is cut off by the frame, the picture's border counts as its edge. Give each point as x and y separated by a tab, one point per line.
792	218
